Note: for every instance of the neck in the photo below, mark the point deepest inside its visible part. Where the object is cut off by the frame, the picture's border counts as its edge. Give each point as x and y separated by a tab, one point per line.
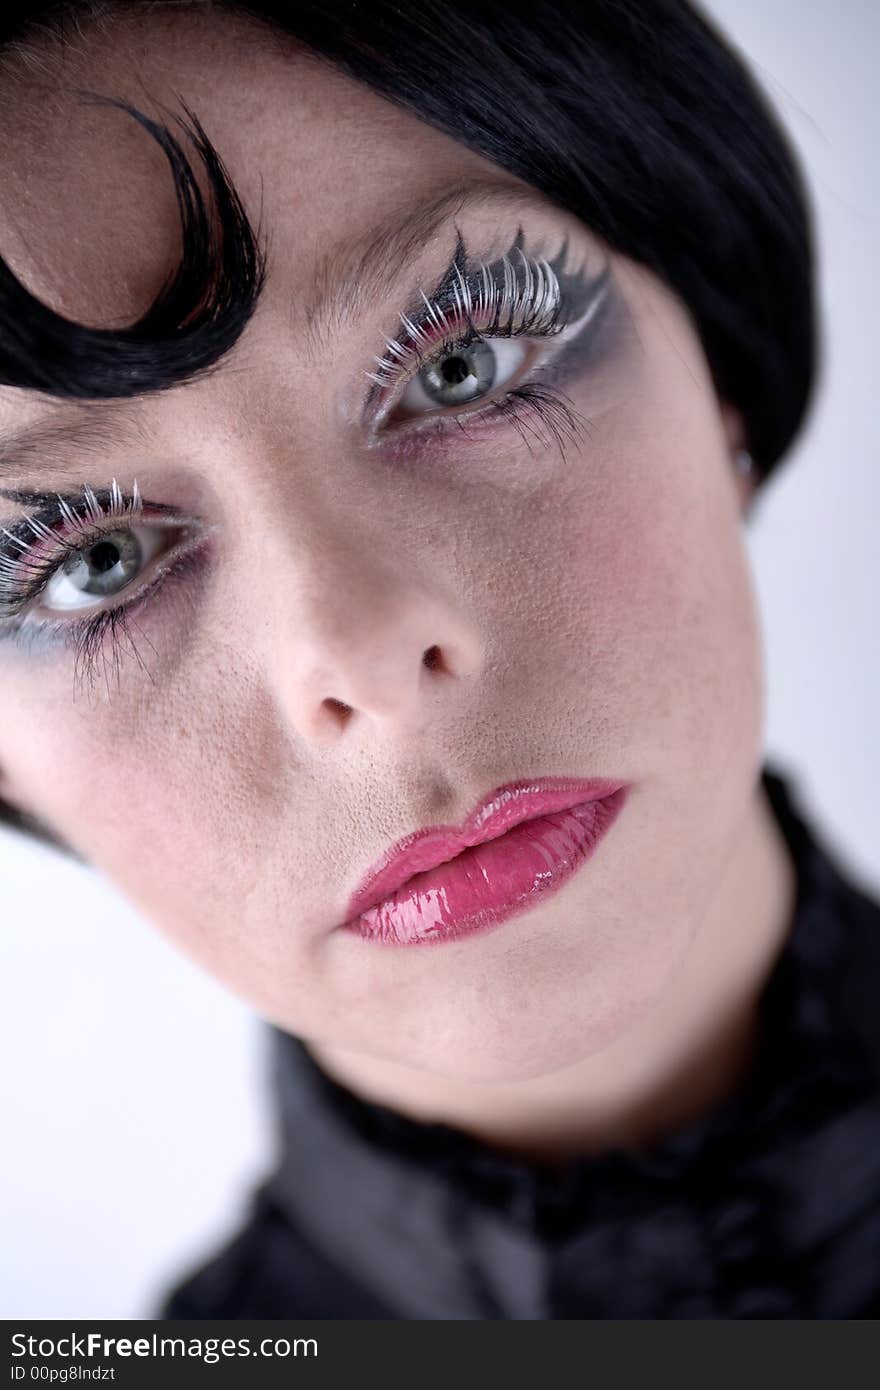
686	1055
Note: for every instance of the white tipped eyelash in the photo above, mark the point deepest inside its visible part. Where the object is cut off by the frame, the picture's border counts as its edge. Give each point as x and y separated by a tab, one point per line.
535	304
82	522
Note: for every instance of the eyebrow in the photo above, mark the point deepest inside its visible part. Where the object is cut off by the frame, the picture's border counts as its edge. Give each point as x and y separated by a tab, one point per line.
45	444
350	281
353	279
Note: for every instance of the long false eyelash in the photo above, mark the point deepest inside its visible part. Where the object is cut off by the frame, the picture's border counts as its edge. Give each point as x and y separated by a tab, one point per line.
478	299
26	566
534	297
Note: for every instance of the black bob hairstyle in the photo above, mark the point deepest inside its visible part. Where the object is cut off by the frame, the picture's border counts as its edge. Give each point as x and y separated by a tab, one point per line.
634	115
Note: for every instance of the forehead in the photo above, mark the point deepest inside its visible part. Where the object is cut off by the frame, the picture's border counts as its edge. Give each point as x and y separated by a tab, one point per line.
88	217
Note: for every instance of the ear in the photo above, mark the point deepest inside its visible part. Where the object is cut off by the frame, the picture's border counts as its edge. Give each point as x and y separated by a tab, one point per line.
745	479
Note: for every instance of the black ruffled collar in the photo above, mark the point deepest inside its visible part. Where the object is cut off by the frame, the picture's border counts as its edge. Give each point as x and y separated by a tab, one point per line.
719	1219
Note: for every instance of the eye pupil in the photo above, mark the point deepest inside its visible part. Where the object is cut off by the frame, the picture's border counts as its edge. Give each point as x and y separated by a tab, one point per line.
103	569
455	370
462	374
104	556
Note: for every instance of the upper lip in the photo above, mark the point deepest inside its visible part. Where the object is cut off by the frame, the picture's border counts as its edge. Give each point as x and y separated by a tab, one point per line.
495	814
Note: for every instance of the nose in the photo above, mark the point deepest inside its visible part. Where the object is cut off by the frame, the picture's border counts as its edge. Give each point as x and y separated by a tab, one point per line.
364	634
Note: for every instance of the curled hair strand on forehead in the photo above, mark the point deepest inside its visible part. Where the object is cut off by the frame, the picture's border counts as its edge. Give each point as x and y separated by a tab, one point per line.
197	317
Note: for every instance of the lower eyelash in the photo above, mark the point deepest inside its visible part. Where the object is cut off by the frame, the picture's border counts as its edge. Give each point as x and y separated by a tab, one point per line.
540	414
544	412
87	637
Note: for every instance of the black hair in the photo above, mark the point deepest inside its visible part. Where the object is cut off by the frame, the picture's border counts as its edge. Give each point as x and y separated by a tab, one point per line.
637	116
197	316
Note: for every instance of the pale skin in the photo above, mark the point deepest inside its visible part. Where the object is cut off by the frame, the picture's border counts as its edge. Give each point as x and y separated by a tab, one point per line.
592	608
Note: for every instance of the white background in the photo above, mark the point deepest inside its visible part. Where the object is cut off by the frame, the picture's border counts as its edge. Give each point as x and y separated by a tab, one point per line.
133	1093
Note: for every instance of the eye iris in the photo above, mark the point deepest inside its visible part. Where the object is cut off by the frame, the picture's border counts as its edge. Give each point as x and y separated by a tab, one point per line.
106	566
460	375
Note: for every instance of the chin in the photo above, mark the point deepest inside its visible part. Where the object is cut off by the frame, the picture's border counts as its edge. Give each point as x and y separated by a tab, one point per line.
524	1044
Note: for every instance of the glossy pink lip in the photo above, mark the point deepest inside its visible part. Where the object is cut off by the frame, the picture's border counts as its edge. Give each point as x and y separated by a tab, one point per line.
523	838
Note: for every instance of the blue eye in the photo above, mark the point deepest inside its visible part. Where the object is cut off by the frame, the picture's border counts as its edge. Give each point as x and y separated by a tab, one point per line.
76	571
472	338
461	374
101	570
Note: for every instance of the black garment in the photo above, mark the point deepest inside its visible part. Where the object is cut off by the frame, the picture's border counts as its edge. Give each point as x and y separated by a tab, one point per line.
767	1206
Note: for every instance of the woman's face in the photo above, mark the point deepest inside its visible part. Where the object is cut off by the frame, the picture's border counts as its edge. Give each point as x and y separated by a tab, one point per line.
268	726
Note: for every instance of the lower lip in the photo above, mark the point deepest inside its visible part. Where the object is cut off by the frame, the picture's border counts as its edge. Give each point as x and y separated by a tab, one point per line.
491	882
